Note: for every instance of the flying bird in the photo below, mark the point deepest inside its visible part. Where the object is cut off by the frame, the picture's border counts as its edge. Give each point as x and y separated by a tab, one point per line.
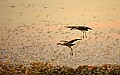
82	28
69	44
12	6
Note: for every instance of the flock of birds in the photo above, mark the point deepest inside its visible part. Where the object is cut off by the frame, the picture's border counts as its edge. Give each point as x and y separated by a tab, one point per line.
70	43
27	43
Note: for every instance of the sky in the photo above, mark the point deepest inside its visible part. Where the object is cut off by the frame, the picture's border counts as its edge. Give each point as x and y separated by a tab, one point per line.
39	24
88	12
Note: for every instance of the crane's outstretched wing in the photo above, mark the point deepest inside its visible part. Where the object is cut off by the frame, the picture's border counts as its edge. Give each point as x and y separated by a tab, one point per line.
71	26
74	40
78	27
86	27
63	41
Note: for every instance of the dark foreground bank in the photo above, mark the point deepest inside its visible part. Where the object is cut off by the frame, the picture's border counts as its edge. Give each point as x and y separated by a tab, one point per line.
40	68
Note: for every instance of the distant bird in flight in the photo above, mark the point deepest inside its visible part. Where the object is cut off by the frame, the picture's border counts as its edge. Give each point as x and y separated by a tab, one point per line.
69	44
82	28
12	6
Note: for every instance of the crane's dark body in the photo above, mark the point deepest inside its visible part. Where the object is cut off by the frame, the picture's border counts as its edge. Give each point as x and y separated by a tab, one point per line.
82	28
69	44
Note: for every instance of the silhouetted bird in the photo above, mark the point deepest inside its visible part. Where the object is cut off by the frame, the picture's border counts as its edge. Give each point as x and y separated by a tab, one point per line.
12	6
69	44
82	28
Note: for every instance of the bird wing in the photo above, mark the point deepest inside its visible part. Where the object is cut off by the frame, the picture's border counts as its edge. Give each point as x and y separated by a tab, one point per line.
74	40
71	26
63	41
78	27
85	27
90	28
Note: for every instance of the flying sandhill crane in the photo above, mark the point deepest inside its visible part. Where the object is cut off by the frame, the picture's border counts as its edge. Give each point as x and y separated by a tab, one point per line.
82	28
69	44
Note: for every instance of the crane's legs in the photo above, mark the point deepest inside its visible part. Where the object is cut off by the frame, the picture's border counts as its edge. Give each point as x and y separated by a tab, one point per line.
71	53
85	35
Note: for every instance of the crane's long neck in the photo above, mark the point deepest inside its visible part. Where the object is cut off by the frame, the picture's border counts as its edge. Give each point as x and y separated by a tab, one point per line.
60	44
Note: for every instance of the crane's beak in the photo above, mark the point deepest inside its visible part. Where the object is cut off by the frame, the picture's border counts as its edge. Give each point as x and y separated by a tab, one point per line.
57	44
